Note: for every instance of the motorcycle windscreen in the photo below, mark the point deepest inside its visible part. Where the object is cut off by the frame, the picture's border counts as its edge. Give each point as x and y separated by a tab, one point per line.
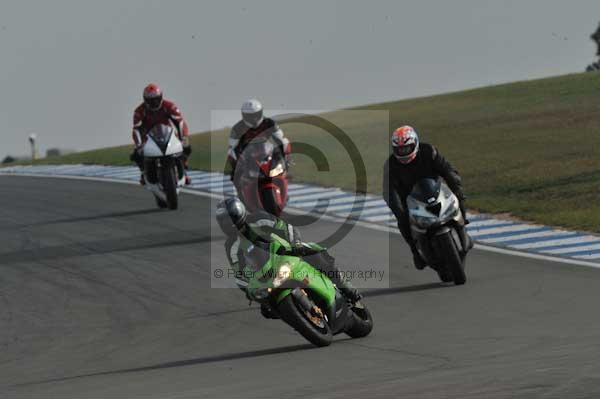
259	150
427	190
161	135
255	156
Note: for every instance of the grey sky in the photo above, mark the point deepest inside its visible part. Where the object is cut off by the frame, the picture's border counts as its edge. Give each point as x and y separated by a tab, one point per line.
72	71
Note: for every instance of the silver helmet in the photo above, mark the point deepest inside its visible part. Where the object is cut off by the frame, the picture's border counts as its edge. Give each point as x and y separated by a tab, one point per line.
252	113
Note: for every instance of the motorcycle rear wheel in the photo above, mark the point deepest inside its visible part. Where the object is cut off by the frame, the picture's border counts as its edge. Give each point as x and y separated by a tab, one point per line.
362	322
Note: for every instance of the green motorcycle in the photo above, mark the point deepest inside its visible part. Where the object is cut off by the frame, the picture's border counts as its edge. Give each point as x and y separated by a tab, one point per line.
301	295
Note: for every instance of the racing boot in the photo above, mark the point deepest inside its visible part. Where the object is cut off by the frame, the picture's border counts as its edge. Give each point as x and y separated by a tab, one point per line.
186	167
268	312
348	291
351	294
470	243
142	180
417	258
326	264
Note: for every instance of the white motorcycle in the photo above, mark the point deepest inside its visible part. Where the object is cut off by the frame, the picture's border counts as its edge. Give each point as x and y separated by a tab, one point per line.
163	165
438	227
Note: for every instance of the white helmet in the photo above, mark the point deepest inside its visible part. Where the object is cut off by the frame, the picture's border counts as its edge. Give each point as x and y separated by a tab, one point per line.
252	113
405	143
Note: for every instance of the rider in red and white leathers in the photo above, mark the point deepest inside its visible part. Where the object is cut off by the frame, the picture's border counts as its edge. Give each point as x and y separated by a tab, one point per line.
253	125
154	111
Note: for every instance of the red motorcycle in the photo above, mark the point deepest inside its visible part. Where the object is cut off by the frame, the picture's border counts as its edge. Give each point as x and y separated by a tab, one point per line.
261	176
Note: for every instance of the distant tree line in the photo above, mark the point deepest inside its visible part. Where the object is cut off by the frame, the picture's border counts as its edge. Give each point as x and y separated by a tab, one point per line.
595	66
51	152
9	159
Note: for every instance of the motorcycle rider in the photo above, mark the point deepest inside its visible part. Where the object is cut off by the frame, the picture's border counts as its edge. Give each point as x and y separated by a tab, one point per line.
410	162
245	230
253	125
153	111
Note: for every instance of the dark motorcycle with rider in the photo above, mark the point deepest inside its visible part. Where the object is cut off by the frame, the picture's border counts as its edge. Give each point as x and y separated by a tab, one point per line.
424	191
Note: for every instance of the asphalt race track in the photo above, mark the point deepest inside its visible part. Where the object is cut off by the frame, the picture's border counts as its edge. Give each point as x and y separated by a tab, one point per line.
103	296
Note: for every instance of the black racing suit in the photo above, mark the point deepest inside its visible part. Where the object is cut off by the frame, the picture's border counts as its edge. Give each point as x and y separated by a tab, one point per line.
399	179
260	226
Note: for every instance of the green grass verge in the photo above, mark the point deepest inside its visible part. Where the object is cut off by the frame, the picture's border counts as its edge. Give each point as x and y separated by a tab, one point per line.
529	148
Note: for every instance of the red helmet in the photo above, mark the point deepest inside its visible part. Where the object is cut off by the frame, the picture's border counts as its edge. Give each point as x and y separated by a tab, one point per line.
405	144
153	97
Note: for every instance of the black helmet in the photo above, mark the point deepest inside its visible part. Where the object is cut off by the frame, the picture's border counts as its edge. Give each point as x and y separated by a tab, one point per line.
231	215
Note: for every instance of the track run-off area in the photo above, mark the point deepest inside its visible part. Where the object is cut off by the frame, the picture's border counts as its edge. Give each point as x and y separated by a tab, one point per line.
104	296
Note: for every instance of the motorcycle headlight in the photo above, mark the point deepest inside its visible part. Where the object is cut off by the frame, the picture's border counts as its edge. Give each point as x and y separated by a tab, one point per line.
283	274
411	203
447	193
277	170
451	211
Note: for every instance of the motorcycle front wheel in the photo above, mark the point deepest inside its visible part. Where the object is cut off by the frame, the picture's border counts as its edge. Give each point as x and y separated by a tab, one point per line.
451	258
362	322
269	202
169	184
311	326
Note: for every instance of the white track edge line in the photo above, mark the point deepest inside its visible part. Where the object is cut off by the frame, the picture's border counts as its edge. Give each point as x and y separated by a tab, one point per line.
330	218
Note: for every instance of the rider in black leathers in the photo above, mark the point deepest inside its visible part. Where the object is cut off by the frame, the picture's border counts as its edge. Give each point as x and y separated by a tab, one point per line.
410	162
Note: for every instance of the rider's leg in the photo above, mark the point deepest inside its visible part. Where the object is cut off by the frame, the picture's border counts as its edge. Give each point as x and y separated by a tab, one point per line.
463	209
188	179
139	161
325	263
404	227
187	150
469	240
